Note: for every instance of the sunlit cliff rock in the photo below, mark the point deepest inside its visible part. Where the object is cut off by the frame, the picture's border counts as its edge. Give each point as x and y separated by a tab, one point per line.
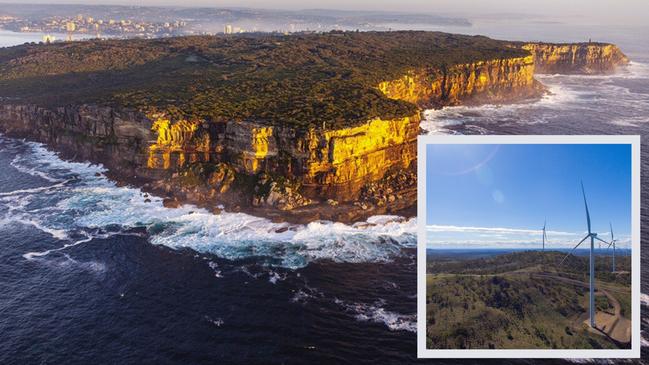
579	58
501	80
369	166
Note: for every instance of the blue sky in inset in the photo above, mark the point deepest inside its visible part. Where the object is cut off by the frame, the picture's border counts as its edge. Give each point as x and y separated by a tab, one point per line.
499	195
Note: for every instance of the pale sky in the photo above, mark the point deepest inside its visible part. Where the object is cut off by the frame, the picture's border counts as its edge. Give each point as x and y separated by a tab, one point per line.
592	11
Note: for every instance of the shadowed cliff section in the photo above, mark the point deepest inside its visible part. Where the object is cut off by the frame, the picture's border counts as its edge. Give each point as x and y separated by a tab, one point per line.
301	127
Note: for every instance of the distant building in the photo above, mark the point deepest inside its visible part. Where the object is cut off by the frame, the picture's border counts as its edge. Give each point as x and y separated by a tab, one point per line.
228	29
70	27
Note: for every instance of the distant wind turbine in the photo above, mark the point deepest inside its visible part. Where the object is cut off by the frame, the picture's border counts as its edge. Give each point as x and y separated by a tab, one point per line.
544	235
612	243
593	236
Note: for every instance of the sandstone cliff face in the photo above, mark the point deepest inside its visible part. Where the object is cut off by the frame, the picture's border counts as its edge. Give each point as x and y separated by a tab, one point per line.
95	133
288	167
485	81
329	163
580	58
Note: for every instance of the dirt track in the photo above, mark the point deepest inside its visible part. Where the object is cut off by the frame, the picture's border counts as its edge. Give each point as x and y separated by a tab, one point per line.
614	325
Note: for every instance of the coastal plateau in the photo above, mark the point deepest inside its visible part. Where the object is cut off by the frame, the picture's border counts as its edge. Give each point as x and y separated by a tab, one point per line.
297	128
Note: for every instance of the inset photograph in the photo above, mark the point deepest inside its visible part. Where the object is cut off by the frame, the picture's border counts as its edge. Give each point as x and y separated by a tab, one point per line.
528	246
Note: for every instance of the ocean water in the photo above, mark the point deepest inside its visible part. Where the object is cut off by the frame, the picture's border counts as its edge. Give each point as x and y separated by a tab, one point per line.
575	104
9	38
90	271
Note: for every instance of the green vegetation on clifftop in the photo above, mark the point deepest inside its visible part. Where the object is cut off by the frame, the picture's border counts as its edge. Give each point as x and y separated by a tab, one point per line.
297	79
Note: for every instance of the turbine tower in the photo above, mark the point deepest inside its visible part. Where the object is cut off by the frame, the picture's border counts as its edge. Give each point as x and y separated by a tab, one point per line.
593	236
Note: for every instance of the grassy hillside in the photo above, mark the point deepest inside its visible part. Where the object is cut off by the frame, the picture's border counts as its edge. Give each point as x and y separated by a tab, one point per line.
297	79
520	300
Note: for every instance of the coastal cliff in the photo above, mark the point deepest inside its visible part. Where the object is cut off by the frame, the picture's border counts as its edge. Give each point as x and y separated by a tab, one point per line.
285	164
578	58
242	165
491	81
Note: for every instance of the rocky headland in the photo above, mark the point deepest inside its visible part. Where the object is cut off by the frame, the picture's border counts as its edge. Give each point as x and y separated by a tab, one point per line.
294	128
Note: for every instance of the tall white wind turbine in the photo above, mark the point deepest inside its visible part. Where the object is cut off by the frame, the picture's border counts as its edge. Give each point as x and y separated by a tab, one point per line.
593	236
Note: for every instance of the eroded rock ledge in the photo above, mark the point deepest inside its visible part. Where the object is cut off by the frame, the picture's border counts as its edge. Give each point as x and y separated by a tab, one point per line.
287	172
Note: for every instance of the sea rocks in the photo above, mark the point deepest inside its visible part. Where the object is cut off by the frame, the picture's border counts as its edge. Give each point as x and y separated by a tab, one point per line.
171	203
281	193
221	178
389	189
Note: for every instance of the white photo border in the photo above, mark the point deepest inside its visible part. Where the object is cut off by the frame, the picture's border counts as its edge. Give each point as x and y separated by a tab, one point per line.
634	352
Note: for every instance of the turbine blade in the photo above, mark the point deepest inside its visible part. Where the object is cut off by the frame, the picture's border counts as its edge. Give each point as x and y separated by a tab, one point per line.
583	192
573	249
612	239
601	240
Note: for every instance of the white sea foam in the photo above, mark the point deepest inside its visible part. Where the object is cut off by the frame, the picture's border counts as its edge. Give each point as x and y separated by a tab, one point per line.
438	121
274	277
59	234
215	267
306	294
633	121
89	201
378	314
31	170
218	322
67	262
566	92
88	237
34	190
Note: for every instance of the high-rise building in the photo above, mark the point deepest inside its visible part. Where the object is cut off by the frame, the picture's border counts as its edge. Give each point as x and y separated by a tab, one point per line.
228	29
70	27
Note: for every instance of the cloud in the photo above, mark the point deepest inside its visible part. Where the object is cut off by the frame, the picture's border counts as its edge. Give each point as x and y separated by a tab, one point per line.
470	229
505	237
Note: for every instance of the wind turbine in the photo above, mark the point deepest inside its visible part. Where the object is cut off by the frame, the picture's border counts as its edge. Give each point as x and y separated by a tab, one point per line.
612	243
544	235
593	236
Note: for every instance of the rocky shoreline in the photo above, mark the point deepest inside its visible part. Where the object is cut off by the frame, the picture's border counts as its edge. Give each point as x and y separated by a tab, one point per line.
284	173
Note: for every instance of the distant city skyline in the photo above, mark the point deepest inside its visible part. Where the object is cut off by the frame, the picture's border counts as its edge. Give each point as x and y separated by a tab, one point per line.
630	12
499	196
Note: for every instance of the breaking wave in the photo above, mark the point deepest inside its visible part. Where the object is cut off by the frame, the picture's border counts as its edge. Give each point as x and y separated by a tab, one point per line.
620	99
378	314
80	204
